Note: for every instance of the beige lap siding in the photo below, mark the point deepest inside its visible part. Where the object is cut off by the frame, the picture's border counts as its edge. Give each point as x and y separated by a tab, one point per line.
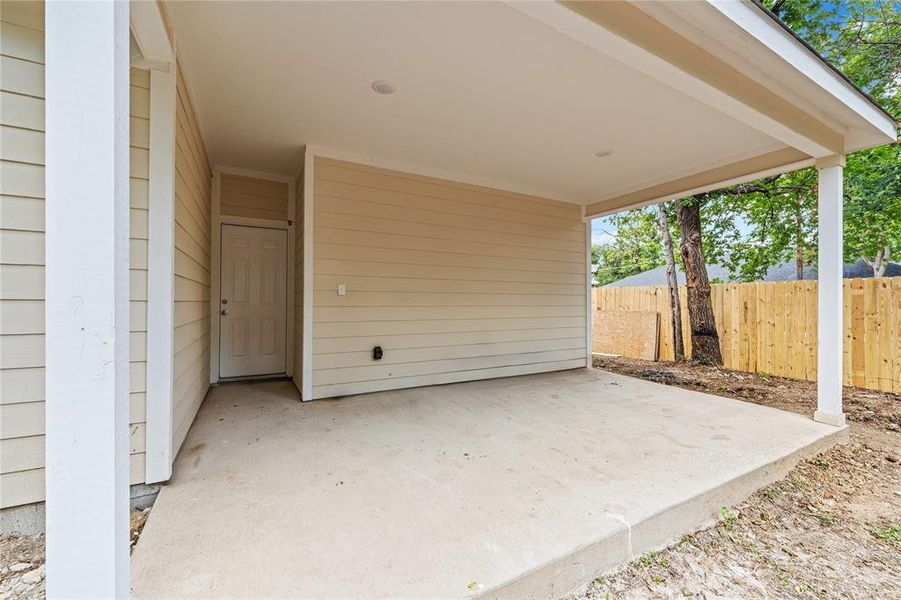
455	282
139	181
298	282
21	253
22	257
241	196
191	363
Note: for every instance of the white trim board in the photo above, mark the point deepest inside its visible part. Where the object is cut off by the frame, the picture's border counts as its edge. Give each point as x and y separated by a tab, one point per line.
87	299
151	35
761	27
291	259
215	265
228	170
425	171
580	28
298	315
589	313
161	276
217	221
306	380
661	178
706	188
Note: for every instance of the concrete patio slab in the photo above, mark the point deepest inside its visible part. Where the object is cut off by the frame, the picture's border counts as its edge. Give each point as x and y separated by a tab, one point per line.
517	487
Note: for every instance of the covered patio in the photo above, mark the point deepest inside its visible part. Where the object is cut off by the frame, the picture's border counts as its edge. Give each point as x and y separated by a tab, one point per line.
367	201
517	487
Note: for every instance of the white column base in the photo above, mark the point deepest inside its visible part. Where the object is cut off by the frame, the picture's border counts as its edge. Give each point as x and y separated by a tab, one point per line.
837	420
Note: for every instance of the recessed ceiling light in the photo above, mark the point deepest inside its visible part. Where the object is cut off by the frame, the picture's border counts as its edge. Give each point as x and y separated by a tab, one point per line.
603	153
385	88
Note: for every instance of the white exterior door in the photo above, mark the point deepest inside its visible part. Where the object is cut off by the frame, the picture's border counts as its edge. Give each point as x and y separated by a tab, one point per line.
252	301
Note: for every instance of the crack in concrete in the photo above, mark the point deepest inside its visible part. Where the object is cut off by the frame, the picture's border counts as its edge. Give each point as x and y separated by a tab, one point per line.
622	520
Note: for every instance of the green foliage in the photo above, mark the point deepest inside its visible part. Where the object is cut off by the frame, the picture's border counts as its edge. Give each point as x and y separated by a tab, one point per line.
635	248
873	202
728	517
890	534
751	227
778	215
863	39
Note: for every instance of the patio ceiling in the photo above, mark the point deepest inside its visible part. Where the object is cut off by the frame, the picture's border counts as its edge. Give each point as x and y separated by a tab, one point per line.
487	93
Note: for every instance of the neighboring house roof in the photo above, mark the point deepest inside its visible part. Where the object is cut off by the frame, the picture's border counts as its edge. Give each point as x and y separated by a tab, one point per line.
784	272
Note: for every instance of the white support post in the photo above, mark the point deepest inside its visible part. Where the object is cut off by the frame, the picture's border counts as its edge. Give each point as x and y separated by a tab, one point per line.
87	127
309	179
589	307
160	275
829	297
215	265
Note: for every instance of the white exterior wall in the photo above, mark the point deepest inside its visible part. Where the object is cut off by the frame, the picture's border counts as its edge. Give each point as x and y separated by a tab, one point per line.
191	363
455	282
22	295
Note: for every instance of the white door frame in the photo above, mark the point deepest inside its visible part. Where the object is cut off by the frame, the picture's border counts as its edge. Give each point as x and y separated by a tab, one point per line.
217	221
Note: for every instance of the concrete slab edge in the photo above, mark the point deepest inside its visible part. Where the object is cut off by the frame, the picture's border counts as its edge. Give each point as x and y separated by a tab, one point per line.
573	572
29	519
26	519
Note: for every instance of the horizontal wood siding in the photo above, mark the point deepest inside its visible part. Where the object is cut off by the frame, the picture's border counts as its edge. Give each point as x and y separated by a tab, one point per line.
139	181
241	196
191	363
21	253
22	257
455	282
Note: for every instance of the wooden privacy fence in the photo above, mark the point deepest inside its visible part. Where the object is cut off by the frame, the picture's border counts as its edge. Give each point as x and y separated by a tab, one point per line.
772	327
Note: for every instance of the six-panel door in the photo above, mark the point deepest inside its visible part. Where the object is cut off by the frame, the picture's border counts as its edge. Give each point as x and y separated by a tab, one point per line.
253	301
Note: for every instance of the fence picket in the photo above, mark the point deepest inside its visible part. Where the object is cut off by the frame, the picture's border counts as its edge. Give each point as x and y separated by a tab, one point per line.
772	327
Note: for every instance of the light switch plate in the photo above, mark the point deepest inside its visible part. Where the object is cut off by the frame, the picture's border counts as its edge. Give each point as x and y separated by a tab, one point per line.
342	289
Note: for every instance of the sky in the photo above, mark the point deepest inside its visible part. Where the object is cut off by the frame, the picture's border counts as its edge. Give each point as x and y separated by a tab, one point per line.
603	230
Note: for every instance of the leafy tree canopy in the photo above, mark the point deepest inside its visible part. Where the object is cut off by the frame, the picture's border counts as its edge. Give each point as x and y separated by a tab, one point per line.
634	249
863	39
751	227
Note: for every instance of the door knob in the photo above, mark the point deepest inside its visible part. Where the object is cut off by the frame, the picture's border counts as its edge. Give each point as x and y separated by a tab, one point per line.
223	312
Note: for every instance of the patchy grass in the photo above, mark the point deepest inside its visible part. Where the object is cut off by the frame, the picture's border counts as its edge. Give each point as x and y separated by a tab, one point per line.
891	534
728	518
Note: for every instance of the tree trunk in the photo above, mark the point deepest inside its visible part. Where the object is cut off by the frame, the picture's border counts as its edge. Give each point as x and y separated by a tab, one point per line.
880	262
672	283
705	342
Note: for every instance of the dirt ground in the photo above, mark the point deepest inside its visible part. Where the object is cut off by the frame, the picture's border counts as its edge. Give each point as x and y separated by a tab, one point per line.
22	561
830	529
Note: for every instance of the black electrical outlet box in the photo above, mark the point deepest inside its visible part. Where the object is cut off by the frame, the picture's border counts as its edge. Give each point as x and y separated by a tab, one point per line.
377	353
